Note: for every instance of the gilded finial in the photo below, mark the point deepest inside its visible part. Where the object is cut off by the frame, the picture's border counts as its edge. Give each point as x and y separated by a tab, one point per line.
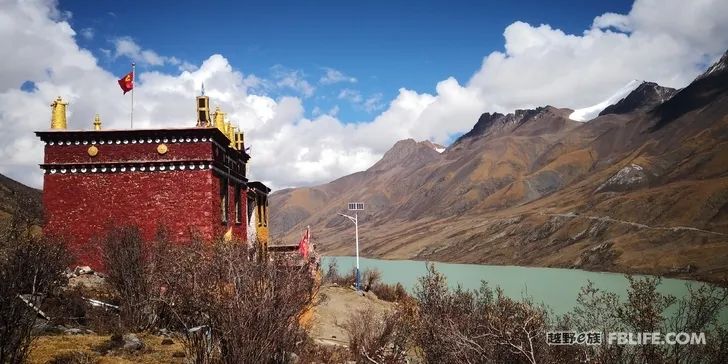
97	122
220	120
229	131
58	114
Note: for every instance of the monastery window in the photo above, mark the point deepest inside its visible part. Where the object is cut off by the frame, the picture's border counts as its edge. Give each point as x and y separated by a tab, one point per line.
223	199
238	206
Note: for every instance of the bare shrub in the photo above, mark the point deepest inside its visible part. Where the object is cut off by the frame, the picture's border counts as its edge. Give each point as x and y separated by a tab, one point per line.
370	277
700	312
380	337
333	276
30	266
477	326
236	310
390	292
127	272
332	272
646	311
67	307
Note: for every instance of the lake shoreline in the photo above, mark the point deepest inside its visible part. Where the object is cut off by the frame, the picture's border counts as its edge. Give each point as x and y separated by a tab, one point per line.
557	288
664	275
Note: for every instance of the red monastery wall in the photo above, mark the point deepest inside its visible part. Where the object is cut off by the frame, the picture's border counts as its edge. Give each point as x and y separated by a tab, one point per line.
80	207
147	178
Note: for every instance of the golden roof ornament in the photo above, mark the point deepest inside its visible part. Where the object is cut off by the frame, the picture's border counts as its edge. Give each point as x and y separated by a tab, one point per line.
97	122
229	130
58	114
233	133
220	120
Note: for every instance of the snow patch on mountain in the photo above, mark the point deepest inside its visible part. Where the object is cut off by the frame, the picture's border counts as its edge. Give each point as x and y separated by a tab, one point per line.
437	147
629	176
591	112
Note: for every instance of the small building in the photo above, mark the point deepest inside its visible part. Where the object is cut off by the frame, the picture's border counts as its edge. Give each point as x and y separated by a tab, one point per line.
189	180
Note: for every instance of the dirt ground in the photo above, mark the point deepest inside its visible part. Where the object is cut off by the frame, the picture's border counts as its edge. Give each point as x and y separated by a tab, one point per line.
335	306
327	327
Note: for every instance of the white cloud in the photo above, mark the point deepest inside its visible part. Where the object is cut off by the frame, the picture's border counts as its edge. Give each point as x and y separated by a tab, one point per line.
370	104
669	43
373	103
292	79
87	33
335	76
333	111
348	94
127	47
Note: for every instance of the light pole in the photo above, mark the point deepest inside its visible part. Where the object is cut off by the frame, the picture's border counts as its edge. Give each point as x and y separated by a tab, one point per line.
355	206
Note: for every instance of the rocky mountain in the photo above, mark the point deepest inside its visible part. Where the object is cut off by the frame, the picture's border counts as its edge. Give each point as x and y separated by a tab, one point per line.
645	97
643	188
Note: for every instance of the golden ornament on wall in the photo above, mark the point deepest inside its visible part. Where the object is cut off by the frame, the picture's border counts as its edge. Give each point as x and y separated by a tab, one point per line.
93	151
162	149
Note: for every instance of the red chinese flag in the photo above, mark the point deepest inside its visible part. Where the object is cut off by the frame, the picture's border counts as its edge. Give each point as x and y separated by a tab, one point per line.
303	245
127	82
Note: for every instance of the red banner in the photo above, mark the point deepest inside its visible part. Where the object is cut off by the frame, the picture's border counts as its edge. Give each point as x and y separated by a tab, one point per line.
303	245
127	82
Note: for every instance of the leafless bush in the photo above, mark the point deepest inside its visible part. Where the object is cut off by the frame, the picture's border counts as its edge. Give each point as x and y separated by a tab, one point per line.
700	312
30	266
236	310
390	292
127	272
333	275
477	326
332	272
380	337
370	277
646	311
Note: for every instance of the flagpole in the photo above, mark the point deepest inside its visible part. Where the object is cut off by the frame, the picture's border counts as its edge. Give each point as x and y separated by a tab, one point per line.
133	76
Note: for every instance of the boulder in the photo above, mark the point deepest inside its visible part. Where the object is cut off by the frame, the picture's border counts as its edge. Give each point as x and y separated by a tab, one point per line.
74	331
132	342
81	270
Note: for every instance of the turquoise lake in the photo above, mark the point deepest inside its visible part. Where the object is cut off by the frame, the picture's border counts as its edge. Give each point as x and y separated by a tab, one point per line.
557	288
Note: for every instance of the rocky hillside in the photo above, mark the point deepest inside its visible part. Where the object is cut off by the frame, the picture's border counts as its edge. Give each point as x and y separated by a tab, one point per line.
15	195
641	188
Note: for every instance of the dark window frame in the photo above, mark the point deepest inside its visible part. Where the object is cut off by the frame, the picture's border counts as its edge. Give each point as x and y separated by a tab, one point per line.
224	200
238	205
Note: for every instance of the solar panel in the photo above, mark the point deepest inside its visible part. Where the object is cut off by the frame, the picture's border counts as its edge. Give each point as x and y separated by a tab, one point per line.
356	206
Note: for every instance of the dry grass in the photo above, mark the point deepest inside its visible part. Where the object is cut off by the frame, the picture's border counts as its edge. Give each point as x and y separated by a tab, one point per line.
45	348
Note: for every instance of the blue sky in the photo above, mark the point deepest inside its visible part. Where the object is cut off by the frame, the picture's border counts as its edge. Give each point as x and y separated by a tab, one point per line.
384	45
323	89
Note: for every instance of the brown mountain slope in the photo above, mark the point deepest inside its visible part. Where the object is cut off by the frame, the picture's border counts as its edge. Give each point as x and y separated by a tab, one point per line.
15	195
642	189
